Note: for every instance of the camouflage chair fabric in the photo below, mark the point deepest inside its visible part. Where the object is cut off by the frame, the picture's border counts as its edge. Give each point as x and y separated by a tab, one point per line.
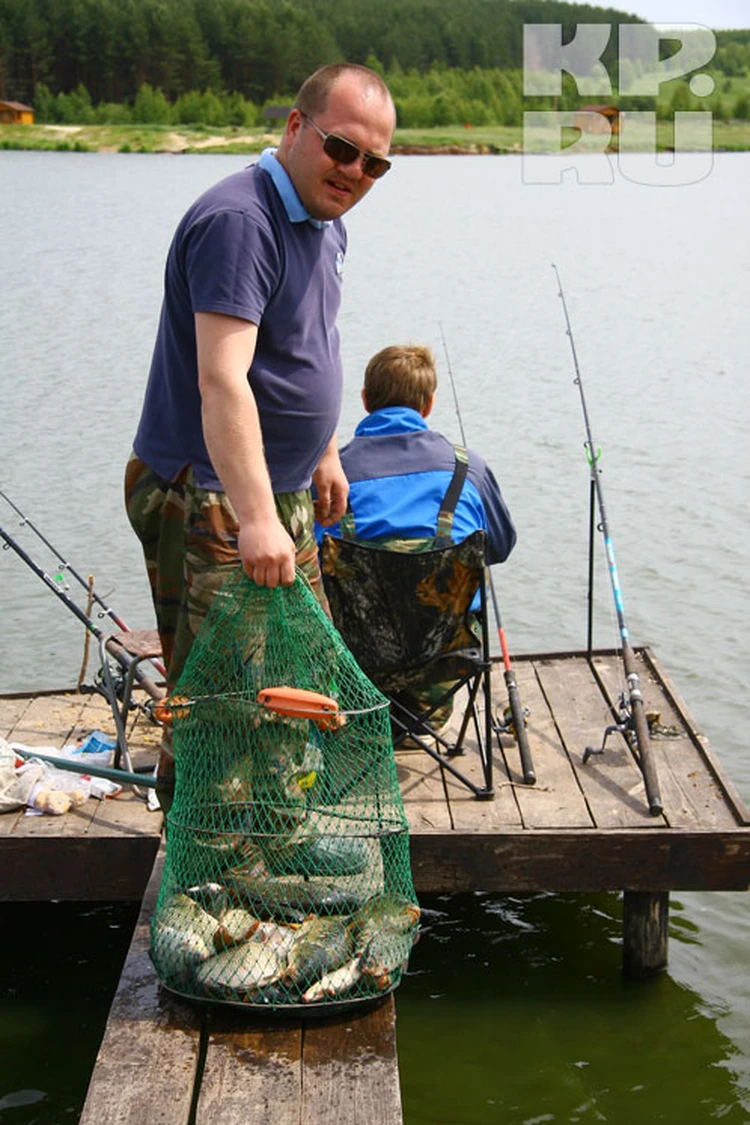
403	605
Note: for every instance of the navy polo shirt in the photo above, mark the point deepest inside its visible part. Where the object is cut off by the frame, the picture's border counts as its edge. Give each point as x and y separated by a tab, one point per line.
247	248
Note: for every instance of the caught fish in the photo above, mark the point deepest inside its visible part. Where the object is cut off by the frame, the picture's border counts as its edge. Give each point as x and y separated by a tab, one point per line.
332	856
335	983
385	955
182	936
288	900
213	897
237	973
277	936
235	927
321	945
385	912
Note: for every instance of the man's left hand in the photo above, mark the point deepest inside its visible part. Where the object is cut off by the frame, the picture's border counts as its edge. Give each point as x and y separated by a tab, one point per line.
332	488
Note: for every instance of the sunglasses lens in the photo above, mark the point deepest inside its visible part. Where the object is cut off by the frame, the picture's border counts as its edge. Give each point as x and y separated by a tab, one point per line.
375	166
343	152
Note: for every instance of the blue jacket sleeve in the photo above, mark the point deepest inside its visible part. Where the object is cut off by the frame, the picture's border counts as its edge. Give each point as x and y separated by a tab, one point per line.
501	533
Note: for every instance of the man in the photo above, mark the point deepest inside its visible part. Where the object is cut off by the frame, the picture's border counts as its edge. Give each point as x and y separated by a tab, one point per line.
399	470
244	392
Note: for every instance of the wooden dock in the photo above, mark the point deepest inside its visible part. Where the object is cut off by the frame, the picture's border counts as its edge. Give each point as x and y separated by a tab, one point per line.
580	828
168	1062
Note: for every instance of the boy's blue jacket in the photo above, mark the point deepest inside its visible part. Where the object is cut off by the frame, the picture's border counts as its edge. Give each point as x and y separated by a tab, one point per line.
398	472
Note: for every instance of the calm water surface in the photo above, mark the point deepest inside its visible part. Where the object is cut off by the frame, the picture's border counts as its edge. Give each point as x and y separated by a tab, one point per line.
514	1011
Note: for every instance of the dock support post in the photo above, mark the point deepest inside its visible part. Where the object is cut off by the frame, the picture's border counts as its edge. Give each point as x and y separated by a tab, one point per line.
645	918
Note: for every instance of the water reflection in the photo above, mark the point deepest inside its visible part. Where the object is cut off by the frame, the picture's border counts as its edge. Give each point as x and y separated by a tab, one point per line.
515	1011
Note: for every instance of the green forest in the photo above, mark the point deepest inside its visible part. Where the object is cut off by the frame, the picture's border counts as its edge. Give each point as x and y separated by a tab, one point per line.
220	62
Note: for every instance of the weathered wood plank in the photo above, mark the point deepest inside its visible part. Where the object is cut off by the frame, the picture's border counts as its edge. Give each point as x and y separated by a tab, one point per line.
12	709
556	800
689	792
350	1073
711	761
76	868
469	813
420	779
612	783
252	1071
146	1064
582	860
49	719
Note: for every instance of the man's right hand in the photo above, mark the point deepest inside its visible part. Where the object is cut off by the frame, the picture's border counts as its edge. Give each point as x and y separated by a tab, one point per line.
267	553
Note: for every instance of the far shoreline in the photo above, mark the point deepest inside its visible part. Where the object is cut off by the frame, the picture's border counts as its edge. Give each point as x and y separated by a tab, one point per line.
456	140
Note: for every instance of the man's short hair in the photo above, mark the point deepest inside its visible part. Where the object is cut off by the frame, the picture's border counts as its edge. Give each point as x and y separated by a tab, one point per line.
314	92
401	375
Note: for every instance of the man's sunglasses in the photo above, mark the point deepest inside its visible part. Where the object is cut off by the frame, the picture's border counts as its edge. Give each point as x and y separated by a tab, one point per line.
344	152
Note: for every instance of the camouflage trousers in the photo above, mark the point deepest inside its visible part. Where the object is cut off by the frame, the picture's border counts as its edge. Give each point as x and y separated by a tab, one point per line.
189	540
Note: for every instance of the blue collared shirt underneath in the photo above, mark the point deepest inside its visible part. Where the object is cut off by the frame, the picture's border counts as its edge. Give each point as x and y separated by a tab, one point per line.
293	205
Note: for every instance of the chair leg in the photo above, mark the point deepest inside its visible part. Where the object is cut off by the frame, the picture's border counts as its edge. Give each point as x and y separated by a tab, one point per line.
417	726
119	708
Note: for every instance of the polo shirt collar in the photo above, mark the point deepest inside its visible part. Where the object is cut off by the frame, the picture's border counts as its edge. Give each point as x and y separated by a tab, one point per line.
296	211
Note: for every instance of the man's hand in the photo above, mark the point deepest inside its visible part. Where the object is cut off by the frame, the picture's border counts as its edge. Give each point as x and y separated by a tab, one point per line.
267	553
332	487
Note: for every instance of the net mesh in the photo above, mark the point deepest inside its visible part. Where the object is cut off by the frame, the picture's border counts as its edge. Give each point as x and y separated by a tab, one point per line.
287	881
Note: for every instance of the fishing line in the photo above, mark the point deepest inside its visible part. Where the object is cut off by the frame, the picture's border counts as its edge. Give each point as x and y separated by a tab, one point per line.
634	716
518	714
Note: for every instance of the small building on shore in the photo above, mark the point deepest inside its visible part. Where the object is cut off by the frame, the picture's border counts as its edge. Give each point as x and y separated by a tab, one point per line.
594	119
277	113
16	113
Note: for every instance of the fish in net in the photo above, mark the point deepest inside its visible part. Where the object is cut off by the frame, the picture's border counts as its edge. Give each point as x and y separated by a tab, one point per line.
287	880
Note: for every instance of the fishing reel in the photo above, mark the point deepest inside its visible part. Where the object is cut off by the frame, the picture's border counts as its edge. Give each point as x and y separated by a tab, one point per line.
623	727
507	724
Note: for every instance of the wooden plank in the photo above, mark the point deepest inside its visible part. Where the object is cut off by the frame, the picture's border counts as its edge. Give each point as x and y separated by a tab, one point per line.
556	800
468	812
49	720
252	1072
75	869
611	783
147	1061
689	792
350	1069
342	1069
731	794
12	709
423	792
662	859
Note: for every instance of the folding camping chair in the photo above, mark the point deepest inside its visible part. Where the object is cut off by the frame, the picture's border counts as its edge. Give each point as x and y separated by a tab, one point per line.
408	621
121	656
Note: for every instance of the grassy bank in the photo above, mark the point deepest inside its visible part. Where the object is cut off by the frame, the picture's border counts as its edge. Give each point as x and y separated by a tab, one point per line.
731	136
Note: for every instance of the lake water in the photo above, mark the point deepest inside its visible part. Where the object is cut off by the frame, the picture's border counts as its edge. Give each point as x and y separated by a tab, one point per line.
515	1010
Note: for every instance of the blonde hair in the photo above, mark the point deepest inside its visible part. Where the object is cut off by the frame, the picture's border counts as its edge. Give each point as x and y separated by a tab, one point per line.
401	375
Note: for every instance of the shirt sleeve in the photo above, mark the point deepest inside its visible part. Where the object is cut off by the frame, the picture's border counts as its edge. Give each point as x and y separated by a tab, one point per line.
232	264
501	533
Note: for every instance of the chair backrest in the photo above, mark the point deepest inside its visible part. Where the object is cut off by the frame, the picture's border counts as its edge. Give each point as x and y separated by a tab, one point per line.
399	612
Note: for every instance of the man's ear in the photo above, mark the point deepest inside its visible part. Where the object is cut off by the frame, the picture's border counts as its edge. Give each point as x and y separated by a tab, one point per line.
427	410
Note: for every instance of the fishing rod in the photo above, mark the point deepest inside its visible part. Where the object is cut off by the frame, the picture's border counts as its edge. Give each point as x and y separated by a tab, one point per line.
123	657
107	610
634	717
518	714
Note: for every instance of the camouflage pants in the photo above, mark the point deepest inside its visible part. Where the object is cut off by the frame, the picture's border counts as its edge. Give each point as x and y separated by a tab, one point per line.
189	540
